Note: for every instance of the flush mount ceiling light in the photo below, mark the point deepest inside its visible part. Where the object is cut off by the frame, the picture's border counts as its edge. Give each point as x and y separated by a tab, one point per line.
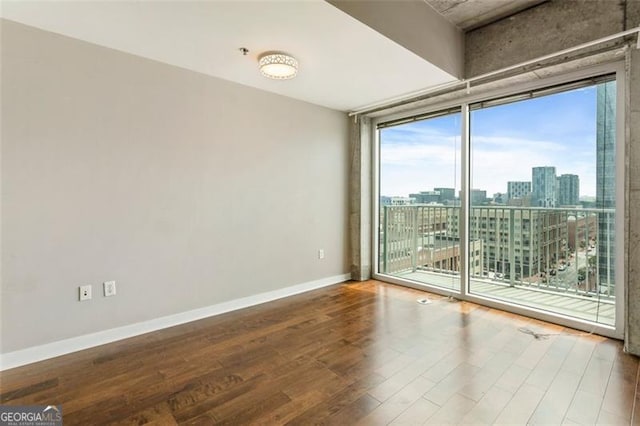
278	66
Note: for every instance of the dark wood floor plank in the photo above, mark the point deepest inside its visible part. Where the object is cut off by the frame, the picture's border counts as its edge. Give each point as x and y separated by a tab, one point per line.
389	410
547	368
408	374
159	414
417	413
513	378
578	359
488	407
354	353
108	410
607	418
195	404
297	405
555	403
620	393
249	407
458	378
25	391
519	409
452	412
585	408
446	365
354	411
325	409
488	375
635	415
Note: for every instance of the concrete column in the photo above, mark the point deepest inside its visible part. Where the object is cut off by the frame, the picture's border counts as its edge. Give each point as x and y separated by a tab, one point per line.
632	326
360	193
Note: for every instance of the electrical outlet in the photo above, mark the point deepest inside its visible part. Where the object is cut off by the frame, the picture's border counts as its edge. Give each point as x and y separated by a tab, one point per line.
84	292
320	253
109	288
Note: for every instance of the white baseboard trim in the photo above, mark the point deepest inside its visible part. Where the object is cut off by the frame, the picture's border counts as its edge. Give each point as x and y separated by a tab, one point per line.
50	350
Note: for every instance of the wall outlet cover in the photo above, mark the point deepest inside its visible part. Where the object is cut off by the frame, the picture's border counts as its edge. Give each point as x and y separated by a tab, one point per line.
109	288
84	292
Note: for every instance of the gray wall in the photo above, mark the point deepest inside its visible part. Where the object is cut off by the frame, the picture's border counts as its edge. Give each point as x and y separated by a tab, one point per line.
185	189
416	26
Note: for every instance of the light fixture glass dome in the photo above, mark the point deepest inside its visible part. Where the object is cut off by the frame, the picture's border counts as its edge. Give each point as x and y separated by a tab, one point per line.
278	66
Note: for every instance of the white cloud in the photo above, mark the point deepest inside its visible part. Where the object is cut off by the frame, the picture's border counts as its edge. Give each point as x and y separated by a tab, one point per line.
425	160
501	142
445	150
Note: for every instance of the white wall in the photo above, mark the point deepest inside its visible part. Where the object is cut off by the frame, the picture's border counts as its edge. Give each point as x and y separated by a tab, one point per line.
187	190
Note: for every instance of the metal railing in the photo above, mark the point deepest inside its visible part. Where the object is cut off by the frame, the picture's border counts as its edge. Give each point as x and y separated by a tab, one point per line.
557	249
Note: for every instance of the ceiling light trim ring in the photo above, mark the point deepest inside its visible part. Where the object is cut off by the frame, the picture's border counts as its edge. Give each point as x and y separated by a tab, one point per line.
278	65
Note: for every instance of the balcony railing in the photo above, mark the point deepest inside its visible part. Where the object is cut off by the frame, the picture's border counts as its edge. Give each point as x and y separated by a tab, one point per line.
563	250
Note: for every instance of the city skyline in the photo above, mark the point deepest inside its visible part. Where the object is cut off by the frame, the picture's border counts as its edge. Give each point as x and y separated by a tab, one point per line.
505	193
564	191
557	131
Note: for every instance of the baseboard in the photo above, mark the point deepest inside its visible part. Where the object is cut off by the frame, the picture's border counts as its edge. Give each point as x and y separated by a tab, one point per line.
74	344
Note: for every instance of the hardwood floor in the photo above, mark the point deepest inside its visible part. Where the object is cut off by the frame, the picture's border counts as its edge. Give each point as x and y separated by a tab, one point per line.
356	353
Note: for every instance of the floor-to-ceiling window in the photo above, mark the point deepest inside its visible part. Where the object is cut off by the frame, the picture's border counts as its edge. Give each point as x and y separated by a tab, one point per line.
419	199
539	231
543	163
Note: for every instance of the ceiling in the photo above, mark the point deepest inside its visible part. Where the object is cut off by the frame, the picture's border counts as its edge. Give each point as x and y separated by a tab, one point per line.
344	64
471	14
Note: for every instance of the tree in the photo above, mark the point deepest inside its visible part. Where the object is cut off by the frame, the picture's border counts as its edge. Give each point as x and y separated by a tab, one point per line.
582	274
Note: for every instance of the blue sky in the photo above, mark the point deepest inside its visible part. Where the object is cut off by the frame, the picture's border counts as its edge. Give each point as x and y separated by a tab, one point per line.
506	142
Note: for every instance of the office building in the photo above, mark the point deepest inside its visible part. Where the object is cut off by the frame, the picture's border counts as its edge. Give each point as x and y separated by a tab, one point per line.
544	187
446	194
427	197
518	189
606	181
568	190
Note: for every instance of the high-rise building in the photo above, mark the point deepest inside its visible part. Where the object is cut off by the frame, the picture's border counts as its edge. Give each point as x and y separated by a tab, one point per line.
477	197
438	195
446	194
544	187
518	189
499	198
568	190
606	179
426	197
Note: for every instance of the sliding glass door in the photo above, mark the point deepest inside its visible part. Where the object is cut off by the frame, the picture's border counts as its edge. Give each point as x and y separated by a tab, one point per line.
542	229
419	237
543	205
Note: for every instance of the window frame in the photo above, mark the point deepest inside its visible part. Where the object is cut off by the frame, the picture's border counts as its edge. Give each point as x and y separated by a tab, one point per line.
509	90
